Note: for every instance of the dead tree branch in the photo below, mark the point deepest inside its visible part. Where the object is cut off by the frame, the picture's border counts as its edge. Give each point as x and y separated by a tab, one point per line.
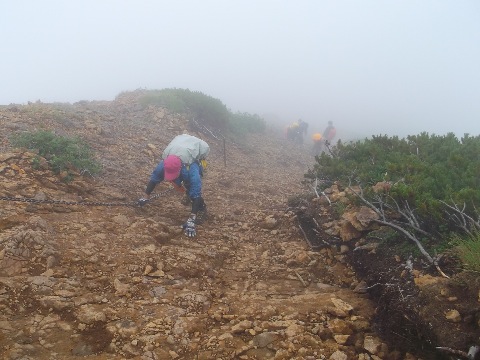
472	354
306	237
326	197
464	221
323	192
407	213
301	279
315	187
409	236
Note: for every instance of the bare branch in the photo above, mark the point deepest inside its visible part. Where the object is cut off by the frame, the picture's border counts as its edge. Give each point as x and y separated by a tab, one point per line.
409	215
368	203
462	219
323	192
411	222
451	351
471	355
410	237
300	278
306	237
315	187
329	202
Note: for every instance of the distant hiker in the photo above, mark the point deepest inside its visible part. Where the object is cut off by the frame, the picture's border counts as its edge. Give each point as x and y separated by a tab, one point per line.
296	131
317	139
325	140
292	131
183	162
302	130
329	132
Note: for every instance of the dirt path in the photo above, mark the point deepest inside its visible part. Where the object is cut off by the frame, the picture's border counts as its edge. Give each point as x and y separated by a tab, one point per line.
123	282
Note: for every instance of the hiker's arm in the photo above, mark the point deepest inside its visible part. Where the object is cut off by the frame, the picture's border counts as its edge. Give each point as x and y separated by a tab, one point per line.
156	178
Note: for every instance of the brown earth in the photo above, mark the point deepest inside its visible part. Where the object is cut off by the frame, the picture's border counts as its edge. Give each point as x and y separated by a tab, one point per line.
113	280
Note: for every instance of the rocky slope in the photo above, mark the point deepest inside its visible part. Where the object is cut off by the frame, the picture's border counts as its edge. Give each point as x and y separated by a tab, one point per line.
113	280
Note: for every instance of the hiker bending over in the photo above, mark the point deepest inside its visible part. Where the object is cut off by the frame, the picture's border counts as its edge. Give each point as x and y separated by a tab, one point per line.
292	132
182	163
296	131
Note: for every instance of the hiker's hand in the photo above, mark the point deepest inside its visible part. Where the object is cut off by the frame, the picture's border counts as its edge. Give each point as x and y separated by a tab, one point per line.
142	201
189	228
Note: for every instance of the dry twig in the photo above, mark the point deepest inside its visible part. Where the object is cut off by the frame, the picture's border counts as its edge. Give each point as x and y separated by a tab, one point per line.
300	278
412	222
473	352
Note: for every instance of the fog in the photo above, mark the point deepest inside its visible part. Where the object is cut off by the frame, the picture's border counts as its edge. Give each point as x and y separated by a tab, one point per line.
371	67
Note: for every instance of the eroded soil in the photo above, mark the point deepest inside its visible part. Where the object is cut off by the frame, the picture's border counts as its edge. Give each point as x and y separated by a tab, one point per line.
117	281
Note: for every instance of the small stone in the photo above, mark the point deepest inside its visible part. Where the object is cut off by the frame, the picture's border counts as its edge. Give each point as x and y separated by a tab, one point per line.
338	355
341	339
173	354
453	316
372	344
147	270
269	222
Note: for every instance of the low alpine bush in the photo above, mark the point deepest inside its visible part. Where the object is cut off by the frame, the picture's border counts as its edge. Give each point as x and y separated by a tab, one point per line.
205	110
241	124
431	182
62	153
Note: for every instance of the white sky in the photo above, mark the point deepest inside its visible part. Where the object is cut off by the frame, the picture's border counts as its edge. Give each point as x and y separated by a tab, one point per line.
372	67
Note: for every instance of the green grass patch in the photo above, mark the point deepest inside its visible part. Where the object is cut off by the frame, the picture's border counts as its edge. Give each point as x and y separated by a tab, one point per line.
467	248
62	153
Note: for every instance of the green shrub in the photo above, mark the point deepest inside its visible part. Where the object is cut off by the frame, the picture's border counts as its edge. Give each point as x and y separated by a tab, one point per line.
423	170
205	110
209	111
62	153
241	124
164	98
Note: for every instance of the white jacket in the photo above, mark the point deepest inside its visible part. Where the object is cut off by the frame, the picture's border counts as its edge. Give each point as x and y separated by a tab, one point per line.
188	148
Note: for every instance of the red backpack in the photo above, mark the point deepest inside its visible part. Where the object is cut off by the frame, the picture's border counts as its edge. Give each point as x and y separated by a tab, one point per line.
331	134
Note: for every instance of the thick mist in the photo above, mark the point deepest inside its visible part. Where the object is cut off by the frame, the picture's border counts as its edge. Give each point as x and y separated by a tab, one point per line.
376	67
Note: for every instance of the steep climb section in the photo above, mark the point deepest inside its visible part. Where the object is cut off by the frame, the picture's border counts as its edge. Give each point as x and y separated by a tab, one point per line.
116	282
